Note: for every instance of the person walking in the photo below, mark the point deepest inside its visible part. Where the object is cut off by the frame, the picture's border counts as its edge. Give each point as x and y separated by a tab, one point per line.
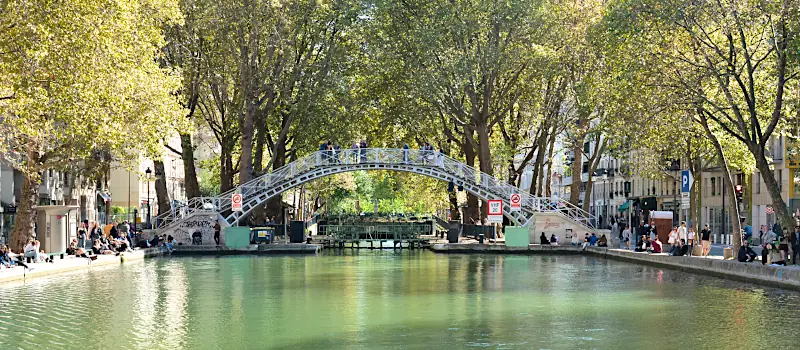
405	152
705	240
626	237
690	240
217	228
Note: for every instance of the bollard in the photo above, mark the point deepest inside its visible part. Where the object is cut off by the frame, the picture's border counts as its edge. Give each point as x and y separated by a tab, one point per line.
480	238
28	259
62	256
727	253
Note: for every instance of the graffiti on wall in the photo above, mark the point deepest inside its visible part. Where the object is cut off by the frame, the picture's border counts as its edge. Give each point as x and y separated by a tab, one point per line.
551	224
197	230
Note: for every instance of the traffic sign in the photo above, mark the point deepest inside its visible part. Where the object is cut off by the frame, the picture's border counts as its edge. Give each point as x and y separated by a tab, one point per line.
515	202
236	202
495	210
686	181
769	210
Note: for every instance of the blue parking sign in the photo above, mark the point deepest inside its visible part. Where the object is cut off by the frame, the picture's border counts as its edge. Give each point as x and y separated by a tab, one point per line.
686	181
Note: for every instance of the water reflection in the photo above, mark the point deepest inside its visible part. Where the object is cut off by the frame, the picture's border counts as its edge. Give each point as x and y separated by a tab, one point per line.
391	299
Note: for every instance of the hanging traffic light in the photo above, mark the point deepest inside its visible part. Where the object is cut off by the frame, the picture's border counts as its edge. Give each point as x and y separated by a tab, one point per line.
738	190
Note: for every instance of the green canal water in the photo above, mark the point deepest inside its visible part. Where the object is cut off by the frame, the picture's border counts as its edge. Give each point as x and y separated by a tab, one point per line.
382	299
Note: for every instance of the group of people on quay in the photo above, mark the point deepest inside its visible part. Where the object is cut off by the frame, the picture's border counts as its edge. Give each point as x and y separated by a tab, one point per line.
778	245
91	241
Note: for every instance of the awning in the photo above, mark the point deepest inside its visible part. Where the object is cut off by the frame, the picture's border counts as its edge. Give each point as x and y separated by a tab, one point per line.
625	206
106	197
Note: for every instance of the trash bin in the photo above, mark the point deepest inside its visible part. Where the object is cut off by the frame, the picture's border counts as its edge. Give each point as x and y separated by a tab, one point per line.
480	238
263	235
454	232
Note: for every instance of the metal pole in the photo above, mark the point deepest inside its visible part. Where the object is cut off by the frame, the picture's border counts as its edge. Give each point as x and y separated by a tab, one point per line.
129	195
148	203
722	218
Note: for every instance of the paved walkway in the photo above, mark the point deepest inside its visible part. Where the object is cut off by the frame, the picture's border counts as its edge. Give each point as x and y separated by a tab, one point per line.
70	263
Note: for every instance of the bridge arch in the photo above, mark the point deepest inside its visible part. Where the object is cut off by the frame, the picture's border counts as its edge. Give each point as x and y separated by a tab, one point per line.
427	163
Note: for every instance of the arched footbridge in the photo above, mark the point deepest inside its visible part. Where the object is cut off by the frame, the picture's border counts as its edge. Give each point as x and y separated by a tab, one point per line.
428	163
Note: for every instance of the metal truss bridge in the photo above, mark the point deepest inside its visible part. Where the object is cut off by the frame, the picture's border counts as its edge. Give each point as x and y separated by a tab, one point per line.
324	163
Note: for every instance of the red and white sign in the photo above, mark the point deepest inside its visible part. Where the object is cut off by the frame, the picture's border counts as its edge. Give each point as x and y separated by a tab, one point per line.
495	210
236	202
516	202
770	210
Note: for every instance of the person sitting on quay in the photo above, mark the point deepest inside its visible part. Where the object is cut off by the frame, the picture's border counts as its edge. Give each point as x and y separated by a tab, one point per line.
655	245
97	249
543	239
32	250
774	256
746	254
643	245
593	240
585	241
603	241
553	239
73	246
9	259
574	239
676	248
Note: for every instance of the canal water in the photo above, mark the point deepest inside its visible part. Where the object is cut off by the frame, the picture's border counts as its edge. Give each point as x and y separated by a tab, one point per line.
383	299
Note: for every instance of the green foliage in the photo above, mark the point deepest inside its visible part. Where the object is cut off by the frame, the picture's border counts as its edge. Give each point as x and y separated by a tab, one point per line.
394	192
78	77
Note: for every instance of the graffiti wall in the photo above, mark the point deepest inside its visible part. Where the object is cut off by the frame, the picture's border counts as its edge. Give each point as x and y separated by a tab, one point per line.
551	223
196	230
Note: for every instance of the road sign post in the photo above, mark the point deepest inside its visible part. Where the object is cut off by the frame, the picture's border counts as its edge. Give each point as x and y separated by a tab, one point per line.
686	181
515	202
236	202
495	211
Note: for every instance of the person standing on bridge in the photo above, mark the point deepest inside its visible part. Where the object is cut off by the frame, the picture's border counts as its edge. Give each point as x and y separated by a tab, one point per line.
323	148
405	152
363	151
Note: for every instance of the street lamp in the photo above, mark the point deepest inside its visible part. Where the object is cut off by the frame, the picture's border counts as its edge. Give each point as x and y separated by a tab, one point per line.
605	193
148	172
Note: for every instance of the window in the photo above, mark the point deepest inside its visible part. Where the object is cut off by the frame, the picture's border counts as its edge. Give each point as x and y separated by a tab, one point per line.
586	148
719	183
757	183
713	186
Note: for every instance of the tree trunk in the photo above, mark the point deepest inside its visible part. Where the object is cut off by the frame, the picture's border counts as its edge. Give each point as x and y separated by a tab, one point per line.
484	150
261	139
587	197
471	211
225	167
189	170
274	206
548	186
246	160
540	163
695	193
575	187
729	190
162	196
778	204
26	213
453	200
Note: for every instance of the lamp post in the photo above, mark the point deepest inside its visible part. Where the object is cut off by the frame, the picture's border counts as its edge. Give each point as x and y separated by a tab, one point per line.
148	172
605	193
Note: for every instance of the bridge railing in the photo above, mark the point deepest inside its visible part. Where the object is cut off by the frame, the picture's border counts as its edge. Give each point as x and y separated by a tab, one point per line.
382	156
